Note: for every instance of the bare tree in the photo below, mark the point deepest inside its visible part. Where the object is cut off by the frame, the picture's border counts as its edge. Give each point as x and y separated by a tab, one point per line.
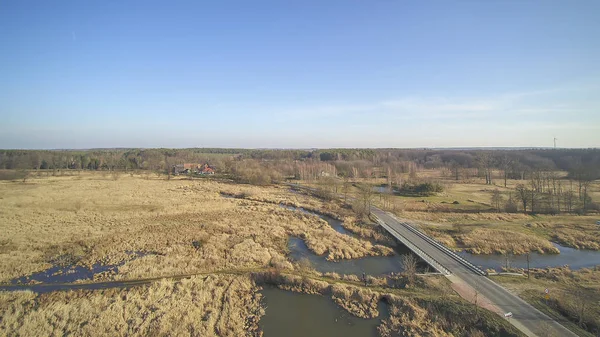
569	199
505	166
485	162
510	206
409	264
496	200
523	195
580	304
362	205
476	301
455	167
346	188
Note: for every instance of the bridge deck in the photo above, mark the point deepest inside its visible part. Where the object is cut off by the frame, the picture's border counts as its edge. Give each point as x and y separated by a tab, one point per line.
528	319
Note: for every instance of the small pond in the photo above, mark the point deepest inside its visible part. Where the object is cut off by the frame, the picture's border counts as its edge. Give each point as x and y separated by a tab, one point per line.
298	315
381	189
575	258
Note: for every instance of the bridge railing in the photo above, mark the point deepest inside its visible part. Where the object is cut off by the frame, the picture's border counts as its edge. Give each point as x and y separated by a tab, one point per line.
443	248
430	260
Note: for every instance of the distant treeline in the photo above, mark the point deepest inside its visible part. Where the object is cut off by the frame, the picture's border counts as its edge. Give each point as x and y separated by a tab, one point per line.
347	162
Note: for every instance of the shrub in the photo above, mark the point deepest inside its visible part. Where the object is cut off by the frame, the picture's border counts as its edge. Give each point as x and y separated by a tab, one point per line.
12	175
423	189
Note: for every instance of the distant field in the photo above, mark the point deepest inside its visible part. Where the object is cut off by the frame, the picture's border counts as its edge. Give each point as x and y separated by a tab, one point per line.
462	216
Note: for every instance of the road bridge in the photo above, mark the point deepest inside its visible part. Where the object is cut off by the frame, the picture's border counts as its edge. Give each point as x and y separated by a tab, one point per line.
525	317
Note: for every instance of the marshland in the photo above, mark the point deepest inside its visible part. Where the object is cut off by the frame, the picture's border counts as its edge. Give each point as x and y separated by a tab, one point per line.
122	250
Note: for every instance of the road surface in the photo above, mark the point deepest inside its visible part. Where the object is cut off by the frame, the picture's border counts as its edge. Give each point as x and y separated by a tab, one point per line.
525	317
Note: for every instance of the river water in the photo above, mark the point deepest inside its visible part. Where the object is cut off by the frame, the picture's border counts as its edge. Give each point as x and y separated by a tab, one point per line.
299	315
574	258
379	265
370	265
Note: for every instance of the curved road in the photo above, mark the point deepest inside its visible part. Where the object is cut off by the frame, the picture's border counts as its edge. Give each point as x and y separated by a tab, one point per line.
526	318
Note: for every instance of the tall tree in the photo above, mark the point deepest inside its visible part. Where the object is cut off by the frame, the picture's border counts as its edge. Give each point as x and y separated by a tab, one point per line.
505	166
485	162
523	195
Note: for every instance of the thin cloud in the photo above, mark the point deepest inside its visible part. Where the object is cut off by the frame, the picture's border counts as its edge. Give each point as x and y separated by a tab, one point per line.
508	105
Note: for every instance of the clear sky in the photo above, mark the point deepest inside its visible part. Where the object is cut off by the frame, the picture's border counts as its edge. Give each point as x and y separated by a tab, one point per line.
389	73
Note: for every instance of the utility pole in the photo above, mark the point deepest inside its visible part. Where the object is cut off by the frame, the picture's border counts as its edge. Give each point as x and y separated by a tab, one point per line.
528	265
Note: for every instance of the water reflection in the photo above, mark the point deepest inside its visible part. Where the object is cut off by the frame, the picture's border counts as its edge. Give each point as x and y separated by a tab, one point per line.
71	273
575	258
298	315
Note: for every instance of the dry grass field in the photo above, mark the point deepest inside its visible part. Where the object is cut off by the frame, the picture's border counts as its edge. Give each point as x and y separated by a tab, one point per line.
190	227
199	306
183	226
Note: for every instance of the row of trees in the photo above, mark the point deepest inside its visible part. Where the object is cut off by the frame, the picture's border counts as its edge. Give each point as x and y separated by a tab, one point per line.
511	161
547	192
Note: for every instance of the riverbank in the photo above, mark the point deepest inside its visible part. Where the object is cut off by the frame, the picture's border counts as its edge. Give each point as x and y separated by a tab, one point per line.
572	296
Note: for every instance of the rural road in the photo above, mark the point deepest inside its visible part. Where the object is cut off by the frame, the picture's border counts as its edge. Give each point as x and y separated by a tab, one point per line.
525	317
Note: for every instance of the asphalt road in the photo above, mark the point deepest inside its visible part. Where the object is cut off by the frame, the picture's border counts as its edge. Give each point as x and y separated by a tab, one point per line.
525	317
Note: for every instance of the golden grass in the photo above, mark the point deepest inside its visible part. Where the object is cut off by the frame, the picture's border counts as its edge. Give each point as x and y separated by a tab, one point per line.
94	219
408	317
495	241
199	306
578	236
358	301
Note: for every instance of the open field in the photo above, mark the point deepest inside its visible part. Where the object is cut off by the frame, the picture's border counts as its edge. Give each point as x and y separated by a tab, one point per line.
190	226
462	217
183	226
199	306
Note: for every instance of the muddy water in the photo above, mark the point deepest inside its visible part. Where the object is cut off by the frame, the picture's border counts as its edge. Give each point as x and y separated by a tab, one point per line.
574	258
297	315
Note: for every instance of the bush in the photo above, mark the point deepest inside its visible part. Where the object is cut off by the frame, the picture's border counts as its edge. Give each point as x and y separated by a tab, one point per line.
12	175
424	189
324	194
511	207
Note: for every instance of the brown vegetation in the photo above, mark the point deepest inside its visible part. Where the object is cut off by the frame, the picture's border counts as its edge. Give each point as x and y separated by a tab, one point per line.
94	219
574	295
495	241
198	306
578	236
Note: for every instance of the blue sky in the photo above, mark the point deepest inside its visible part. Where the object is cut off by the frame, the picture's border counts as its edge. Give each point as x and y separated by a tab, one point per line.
83	74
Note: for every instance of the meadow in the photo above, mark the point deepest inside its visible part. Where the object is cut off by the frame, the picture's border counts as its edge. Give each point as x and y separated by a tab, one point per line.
209	252
463	218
